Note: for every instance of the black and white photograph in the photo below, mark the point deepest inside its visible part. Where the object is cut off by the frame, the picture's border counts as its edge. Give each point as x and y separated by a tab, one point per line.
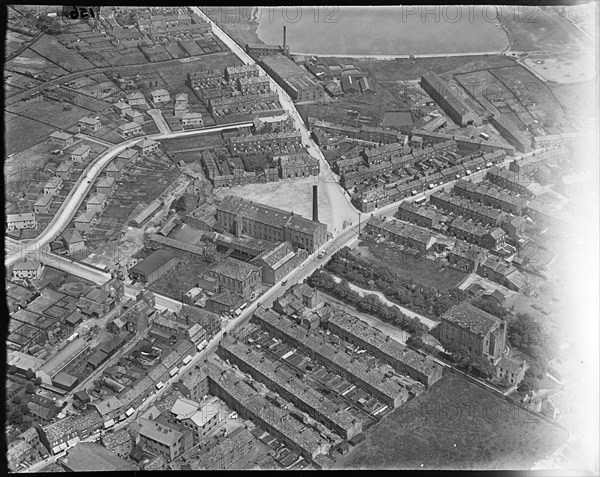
250	238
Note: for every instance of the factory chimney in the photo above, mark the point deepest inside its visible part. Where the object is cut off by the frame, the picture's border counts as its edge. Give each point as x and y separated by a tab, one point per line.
283	37
315	204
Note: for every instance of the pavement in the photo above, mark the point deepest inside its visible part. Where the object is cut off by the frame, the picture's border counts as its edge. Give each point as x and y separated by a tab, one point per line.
159	120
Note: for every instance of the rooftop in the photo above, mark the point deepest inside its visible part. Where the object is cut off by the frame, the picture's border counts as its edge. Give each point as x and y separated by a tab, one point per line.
153	262
472	318
159	433
90	457
235	269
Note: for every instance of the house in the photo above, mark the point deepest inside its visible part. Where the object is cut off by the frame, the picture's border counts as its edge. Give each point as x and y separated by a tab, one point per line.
224	303
53	186
74	319
73	241
109	408
494	240
118	442
128	130
115	169
134	116
27	269
161	439
80	154
65	169
180	109
96	203
127	155
514	227
62	139
92	124
21	221
85	221
136	99
147	146
241	277
465	256
43	204
121	108
42	407
192	119
182	98
160	96
106	185
511	369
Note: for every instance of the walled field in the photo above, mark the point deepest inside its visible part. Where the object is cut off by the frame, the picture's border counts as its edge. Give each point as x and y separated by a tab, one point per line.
31	61
422	270
49	112
455	425
21	133
68	59
183	277
202	141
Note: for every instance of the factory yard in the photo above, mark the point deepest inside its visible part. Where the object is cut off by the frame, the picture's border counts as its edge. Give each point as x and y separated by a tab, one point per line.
456	425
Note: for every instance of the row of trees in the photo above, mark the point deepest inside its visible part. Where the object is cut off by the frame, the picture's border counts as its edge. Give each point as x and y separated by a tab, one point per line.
426	300
369	303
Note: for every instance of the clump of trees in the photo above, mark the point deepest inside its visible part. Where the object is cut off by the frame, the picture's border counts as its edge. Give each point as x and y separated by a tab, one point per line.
492	307
426	300
369	303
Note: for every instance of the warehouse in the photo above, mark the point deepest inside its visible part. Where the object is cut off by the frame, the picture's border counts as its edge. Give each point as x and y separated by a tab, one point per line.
448	98
294	79
153	267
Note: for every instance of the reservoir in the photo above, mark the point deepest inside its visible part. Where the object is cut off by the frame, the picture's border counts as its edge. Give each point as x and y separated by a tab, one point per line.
370	31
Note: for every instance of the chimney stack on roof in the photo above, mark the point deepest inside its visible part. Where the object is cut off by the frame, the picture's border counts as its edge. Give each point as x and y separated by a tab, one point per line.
315	199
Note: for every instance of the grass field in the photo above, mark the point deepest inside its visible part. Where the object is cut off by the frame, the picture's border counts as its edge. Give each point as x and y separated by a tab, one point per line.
455	425
52	49
32	61
21	133
49	112
423	270
533	28
578	98
211	140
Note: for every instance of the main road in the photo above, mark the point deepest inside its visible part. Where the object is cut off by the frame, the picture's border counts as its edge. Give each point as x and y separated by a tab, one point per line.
338	200
71	204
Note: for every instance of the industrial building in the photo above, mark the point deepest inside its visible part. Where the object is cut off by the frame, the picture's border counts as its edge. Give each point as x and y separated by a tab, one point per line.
153	267
241	216
294	79
448	97
470	330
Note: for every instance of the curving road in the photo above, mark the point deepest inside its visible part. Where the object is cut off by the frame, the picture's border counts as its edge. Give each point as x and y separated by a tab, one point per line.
71	204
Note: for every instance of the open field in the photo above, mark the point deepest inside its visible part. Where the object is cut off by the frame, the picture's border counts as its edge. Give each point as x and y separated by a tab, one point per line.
422	270
203	141
454	425
293	196
49	112
579	98
21	132
533	28
69	59
31	61
405	69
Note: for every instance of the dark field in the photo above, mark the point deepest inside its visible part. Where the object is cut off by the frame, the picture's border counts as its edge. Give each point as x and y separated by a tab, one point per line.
455	425
422	270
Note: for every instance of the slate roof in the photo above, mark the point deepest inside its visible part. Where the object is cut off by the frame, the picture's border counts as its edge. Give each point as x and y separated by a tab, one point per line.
472	318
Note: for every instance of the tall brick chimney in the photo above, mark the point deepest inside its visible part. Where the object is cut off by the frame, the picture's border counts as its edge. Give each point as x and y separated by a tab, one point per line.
315	204
283	37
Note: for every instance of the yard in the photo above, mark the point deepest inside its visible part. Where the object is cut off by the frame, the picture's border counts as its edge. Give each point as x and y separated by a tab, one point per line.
423	270
49	47
183	277
456	425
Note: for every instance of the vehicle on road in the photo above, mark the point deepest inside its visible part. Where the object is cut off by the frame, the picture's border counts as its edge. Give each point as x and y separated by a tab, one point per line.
284	283
321	254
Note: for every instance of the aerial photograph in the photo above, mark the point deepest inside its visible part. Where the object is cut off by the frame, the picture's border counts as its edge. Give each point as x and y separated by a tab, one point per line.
301	238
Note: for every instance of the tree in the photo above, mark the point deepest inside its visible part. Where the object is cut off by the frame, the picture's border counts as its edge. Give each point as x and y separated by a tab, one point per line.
38	381
12	369
24	408
29	374
16	399
30	388
15	416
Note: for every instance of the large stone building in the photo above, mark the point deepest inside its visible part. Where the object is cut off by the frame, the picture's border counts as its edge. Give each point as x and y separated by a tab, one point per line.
294	79
449	99
470	330
238	276
241	216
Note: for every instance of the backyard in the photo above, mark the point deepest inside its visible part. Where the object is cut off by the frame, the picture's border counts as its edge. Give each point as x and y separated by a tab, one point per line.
456	425
182	277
